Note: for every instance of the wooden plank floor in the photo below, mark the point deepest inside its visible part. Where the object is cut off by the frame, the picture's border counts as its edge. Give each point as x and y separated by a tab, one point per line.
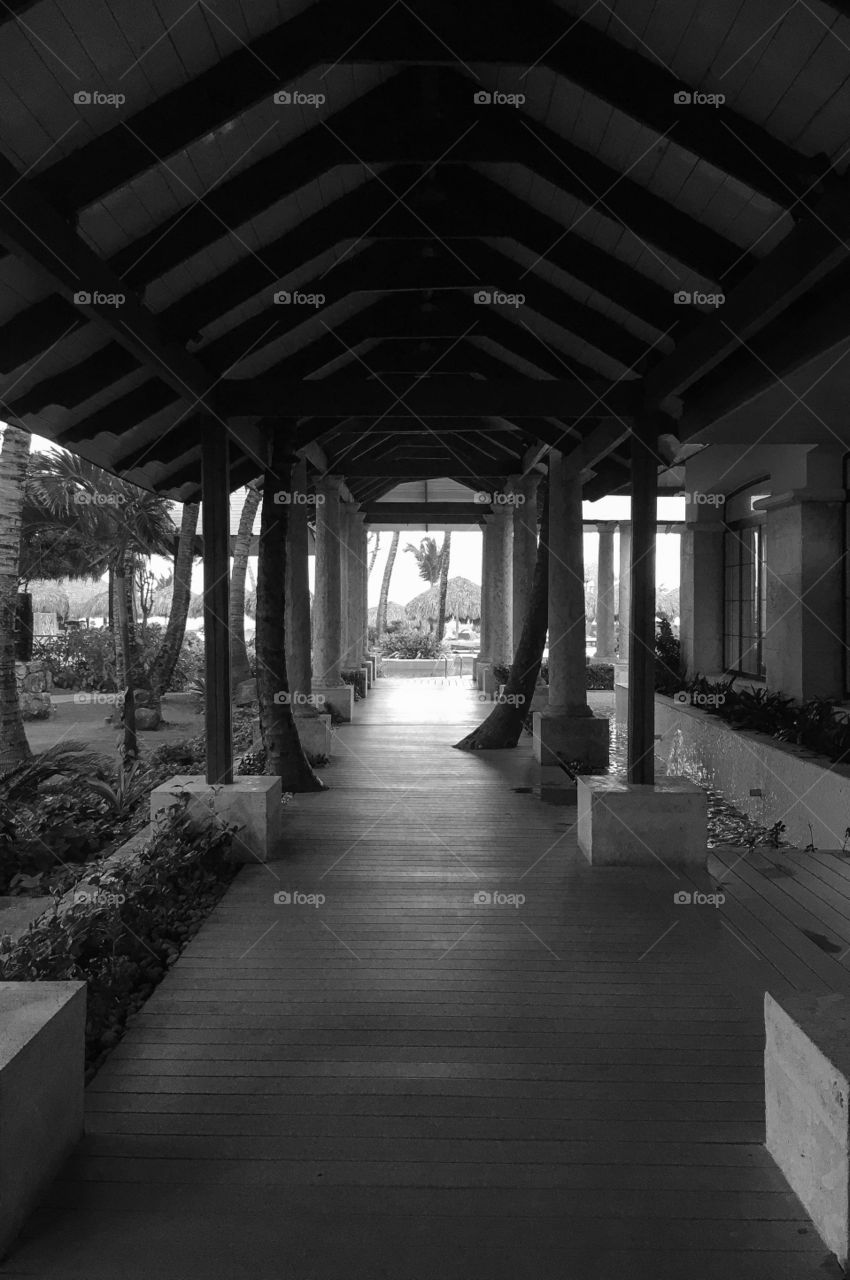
406	1082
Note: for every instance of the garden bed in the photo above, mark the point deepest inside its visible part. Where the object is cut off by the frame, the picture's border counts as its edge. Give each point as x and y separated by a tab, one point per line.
769	781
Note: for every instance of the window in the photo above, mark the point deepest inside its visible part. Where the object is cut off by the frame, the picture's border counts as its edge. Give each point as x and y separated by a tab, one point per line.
745	599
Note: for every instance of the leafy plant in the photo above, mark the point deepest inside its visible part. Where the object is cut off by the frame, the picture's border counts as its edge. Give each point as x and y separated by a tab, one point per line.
599	675
412	644
668	658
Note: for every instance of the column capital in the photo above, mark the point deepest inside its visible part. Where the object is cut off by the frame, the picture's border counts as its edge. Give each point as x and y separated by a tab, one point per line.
329	484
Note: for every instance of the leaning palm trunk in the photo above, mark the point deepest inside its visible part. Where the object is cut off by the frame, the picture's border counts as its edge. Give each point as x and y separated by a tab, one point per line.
239	666
381	619
162	668
503	726
284	754
445	556
14	453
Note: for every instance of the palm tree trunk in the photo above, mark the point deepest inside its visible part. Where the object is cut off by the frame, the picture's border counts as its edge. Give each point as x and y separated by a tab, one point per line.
381	619
239	666
14	453
376	548
445	556
503	726
284	754
162	668
124	648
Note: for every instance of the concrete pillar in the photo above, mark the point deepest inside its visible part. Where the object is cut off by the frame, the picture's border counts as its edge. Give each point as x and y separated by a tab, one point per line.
297	625
327	600
524	548
623	589
567	727
605	593
701	596
804	627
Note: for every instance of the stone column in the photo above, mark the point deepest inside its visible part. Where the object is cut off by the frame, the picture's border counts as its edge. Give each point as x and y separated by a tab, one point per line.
483	659
497	595
567	727
605	593
297	624
623	589
804	647
327	605
524	549
701	594
356	583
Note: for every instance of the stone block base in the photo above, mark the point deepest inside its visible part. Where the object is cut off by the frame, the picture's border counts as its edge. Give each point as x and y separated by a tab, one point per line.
807	1105
252	803
340	698
42	1075
487	680
625	824
582	738
481	669
315	734
621	690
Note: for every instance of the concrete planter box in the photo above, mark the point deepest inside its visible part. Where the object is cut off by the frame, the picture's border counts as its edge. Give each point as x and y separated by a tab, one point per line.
416	668
251	802
794	785
42	1072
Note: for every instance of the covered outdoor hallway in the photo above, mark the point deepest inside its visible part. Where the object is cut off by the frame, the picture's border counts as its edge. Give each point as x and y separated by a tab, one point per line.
404	1080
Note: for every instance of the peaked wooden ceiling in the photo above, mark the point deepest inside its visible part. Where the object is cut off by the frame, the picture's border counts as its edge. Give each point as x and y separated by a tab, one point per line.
318	267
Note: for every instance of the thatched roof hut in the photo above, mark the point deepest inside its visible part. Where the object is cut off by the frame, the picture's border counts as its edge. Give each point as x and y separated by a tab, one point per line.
49	597
463	601
395	613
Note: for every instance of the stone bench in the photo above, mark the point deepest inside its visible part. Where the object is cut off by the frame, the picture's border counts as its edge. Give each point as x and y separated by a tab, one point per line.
42	1074
807	1105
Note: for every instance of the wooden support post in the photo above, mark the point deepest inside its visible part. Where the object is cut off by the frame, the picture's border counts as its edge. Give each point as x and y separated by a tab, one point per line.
215	492
641	713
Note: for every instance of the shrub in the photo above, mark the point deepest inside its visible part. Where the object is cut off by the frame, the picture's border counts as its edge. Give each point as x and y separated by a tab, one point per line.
501	674
358	680
668	658
128	924
79	659
412	644
599	675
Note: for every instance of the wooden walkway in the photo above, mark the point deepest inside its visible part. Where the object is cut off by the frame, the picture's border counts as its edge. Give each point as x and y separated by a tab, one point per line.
406	1081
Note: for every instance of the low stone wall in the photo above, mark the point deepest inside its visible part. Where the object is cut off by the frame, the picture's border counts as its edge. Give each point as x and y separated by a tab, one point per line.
770	781
417	668
34	682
